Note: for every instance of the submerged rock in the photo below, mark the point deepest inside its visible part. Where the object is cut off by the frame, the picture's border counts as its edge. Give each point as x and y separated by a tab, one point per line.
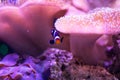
54	60
30	68
53	64
76	71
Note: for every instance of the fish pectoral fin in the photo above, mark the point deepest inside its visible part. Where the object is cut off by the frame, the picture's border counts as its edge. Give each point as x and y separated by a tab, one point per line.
62	39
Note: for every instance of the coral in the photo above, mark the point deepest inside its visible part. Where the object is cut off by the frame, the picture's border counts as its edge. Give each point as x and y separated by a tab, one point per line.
30	68
26	29
56	59
29	32
8	61
90	33
74	69
53	64
97	21
85	72
114	55
10	71
100	3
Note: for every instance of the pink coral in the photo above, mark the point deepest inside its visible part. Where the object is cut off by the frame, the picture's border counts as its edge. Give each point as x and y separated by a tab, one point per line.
98	21
87	39
27	28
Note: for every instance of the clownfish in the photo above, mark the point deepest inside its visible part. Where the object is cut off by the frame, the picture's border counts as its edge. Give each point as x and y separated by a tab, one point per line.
56	37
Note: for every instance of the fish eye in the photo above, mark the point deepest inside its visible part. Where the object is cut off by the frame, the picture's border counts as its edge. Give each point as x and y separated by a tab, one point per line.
51	42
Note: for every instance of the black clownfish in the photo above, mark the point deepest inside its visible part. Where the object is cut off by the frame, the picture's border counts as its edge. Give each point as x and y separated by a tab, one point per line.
56	37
